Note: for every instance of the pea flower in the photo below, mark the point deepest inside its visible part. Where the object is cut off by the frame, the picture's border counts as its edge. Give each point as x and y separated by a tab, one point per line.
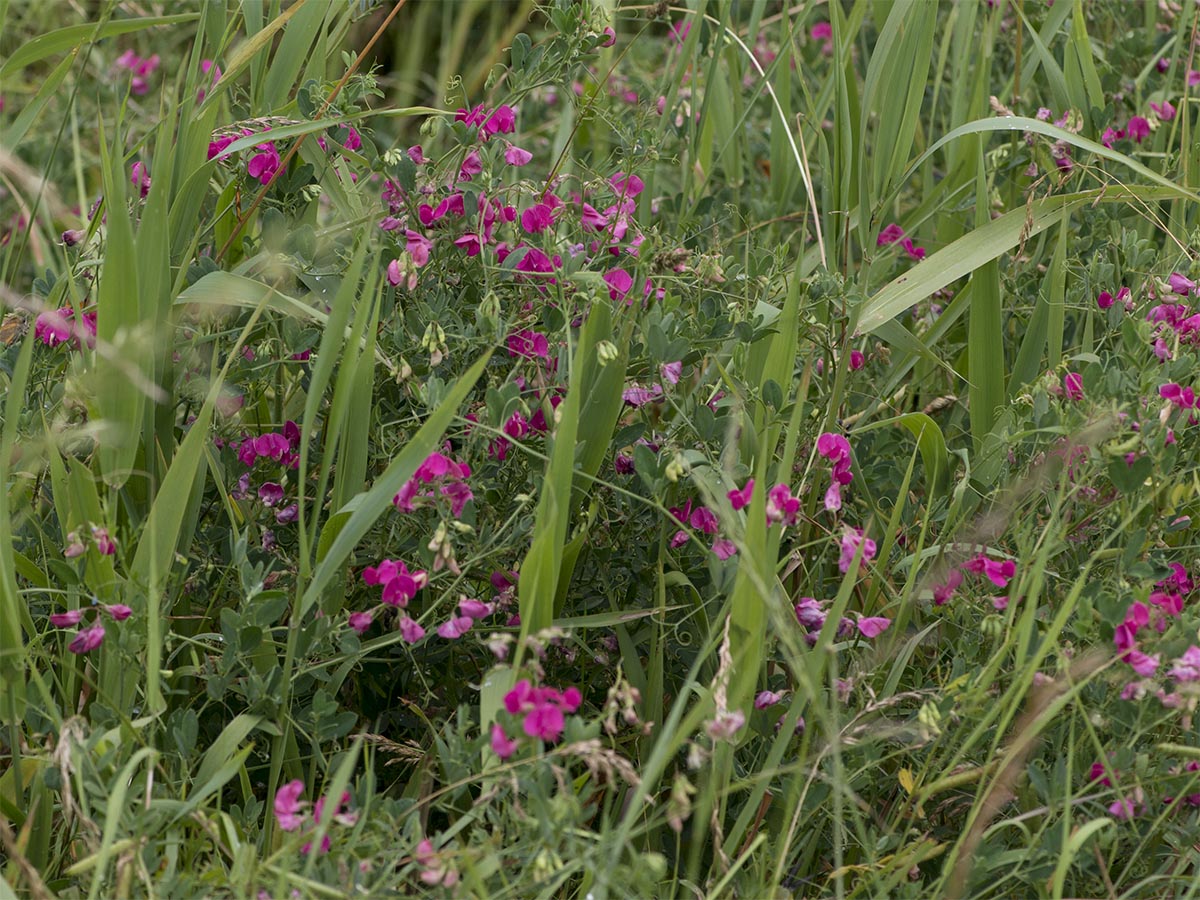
88	639
288	805
852	539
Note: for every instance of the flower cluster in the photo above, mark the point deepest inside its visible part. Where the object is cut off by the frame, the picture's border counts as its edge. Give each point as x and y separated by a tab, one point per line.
54	327
281	447
541	710
836	449
437	476
290	814
89	638
140	68
811	614
998	571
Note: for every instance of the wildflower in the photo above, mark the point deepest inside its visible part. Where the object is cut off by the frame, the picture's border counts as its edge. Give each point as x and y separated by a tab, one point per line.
591	219
455	627
471	166
1138	128
119	611
671	371
270	493
944	591
782	505
1165	111
703	520
474	609
740	499
1104	300
399	584
410	630
889	235
726	724
636	395
852	539
87	640
264	164
1181	285
515	156
502	745
998	572
288	805
360	622
502	121
626	185
537	218
873	626
766	699
544	722
289	513
530	344
724	548
619	282
1187	667
67	619
610	36
417	246
1143	665
914	253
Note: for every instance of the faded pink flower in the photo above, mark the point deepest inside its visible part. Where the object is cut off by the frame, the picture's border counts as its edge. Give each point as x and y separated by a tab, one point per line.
287	805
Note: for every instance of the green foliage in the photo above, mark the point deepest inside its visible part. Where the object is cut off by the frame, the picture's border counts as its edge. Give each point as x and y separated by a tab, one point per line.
384	389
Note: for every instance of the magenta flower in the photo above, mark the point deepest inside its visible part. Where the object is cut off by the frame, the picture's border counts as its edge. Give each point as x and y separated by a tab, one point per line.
610	36
1165	111
626	185
703	520
944	591
723	548
502	745
531	344
544	722
636	395
66	619
1181	285
410	630
270	493
1187	667
765	699
104	543
1073	386
782	506
852	539
139	177
740	498
889	235
360	622
1138	128
88	639
515	156
399	584
455	627
471	166
914	252
671	371
417	247
1104	300
119	611
288	805
873	626
619	282
264	164
502	121
537	218
1143	665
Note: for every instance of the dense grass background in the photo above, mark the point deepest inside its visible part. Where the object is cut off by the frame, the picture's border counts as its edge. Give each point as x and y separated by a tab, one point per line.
904	224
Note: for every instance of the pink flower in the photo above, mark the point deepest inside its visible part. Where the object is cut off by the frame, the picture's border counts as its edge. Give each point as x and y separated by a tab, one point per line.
740	498
889	235
270	493
704	520
943	592
914	252
418	247
399	584
502	121
502	745
264	164
766	699
782	506
725	725
287	805
610	37
671	371
626	185
619	282
119	611
537	218
1181	285
544	722
515	156
471	166
852	539
997	572
67	619
1178	396
139	176
591	219
455	627
636	395
1142	664
1138	128
360	622
1104	300
1073	386
410	630
88	639
857	360
474	609
1165	111
873	626
531	344
104	543
1187	667
724	548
